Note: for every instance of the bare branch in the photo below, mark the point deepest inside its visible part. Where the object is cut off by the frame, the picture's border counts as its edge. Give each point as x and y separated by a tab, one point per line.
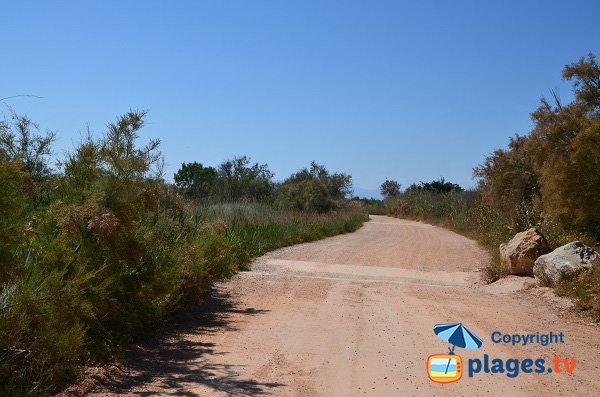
21	95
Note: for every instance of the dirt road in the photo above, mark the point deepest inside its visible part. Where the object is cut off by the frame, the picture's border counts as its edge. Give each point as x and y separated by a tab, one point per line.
353	315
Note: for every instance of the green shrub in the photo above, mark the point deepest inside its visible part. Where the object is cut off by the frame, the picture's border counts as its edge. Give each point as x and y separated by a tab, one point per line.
239	180
306	196
196	181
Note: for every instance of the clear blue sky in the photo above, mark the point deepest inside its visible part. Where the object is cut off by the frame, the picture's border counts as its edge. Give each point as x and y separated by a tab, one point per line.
409	90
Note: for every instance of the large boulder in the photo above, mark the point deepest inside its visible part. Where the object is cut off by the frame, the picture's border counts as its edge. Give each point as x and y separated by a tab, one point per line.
520	253
564	263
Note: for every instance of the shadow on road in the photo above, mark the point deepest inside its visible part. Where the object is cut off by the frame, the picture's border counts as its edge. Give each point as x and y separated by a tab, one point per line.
176	362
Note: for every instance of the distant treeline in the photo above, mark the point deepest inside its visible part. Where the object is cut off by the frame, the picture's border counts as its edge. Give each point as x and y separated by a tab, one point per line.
97	252
312	189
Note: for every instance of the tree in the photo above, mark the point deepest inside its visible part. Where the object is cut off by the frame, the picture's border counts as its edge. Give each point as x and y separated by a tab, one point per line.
565	147
314	189
339	185
390	188
555	170
310	195
195	180
237	179
585	75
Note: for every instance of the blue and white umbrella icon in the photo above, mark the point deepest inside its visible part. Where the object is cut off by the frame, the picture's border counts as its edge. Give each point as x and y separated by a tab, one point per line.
457	335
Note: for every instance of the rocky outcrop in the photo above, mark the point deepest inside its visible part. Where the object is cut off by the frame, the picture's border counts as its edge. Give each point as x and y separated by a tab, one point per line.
519	254
564	263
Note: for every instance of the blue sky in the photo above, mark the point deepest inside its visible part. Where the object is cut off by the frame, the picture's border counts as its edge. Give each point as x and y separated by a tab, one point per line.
409	90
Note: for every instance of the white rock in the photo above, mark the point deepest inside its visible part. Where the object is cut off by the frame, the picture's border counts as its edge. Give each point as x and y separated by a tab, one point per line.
564	262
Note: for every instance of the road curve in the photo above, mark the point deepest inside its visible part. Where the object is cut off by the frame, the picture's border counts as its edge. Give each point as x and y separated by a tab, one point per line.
352	315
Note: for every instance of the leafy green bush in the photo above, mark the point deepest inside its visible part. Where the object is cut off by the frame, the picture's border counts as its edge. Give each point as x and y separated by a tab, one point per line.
196	181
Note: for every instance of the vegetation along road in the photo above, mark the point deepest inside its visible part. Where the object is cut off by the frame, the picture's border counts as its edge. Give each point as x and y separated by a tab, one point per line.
354	315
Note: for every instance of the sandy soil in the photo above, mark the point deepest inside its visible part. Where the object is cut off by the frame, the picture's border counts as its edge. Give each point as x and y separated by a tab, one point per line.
353	315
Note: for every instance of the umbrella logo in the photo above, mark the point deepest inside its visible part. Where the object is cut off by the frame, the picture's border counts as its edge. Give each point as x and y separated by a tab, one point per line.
446	368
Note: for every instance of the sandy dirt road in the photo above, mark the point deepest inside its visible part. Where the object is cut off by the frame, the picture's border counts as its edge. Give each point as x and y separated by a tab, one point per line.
353	315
